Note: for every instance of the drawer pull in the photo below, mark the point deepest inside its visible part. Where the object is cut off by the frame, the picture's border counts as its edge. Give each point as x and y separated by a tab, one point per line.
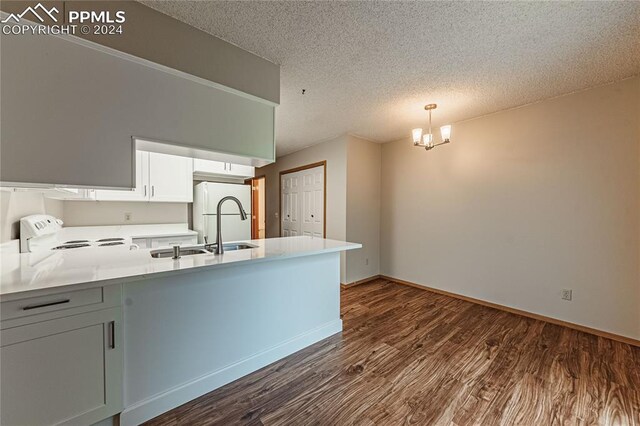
112	335
44	305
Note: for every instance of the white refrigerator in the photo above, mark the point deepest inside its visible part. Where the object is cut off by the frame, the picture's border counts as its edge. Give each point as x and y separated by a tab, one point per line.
205	204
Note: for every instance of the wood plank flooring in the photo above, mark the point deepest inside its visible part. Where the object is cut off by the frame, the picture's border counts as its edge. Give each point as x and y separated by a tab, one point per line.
409	356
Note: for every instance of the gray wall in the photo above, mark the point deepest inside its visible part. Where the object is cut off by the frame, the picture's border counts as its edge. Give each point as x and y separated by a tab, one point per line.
70	112
524	203
151	35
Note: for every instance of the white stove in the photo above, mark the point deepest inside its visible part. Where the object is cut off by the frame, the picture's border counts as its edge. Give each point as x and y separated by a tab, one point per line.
41	232
104	242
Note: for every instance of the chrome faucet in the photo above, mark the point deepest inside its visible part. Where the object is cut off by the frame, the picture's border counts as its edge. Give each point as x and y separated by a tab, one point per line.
243	216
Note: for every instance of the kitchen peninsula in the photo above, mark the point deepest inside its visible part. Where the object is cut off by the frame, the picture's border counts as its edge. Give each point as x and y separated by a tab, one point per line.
132	334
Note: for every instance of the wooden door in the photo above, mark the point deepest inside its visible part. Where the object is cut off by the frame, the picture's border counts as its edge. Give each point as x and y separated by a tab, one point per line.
255	209
258	207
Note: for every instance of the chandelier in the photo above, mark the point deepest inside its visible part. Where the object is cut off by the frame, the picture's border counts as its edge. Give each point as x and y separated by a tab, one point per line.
425	140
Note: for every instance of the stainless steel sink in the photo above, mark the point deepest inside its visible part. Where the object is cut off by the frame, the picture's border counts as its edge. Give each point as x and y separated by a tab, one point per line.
186	251
237	246
200	249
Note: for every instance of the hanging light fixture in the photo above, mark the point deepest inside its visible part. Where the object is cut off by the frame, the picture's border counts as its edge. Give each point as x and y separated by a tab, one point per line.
425	140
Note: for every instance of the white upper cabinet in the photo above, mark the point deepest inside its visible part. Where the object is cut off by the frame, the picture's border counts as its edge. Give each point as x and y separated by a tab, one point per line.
159	177
240	170
170	177
206	168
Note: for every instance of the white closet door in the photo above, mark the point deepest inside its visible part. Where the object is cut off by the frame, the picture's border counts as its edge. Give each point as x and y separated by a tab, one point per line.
303	203
290	208
313	202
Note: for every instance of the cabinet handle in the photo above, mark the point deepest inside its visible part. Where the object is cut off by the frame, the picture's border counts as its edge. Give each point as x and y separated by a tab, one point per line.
145	190
112	335
44	305
153	190
229	166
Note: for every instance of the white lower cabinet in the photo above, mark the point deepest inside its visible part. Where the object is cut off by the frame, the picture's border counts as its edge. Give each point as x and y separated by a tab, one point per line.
62	371
178	240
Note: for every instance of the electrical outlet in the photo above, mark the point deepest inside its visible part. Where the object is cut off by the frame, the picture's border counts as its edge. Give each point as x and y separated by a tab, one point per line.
127	217
566	294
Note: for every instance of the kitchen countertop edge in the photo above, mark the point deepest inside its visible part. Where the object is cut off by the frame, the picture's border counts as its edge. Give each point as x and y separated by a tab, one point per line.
100	282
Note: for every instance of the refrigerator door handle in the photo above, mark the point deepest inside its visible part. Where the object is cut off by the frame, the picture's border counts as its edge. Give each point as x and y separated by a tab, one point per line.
204	208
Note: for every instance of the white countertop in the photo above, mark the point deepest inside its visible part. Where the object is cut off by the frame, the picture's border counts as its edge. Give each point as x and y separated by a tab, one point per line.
40	272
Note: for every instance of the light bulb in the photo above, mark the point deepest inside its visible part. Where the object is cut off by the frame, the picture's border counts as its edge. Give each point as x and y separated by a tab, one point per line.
427	139
445	131
417	135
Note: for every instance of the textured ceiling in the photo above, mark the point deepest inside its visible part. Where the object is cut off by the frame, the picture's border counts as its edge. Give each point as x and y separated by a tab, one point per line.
369	67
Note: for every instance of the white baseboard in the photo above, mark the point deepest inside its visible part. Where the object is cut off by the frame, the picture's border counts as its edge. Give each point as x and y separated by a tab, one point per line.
172	398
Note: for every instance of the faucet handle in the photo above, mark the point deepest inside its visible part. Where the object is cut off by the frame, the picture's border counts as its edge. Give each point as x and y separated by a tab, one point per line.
176	252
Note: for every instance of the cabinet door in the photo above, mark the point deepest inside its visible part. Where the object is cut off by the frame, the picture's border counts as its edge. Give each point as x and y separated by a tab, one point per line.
141	242
141	191
62	371
240	170
170	178
209	167
182	240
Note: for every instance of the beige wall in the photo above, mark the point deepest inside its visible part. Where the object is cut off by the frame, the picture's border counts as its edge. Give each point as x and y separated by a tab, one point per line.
334	152
363	208
94	213
353	198
524	203
15	205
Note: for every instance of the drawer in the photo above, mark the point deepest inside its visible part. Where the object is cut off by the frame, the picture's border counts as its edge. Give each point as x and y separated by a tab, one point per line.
54	302
173	241
140	242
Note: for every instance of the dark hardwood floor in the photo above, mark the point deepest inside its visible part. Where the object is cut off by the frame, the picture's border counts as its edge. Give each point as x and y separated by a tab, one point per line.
409	356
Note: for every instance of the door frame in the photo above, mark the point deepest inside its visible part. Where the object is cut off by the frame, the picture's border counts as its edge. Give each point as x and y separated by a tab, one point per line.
324	190
250	182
